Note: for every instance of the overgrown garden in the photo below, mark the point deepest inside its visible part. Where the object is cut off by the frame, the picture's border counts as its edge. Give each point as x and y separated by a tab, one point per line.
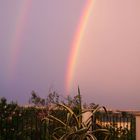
55	119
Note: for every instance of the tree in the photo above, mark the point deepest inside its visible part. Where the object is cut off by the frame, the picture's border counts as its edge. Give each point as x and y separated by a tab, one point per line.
36	99
53	97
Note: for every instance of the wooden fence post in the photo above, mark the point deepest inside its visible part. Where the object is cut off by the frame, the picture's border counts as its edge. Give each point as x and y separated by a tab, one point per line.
137	127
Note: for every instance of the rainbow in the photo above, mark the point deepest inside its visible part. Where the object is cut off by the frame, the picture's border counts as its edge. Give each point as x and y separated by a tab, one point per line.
77	43
15	45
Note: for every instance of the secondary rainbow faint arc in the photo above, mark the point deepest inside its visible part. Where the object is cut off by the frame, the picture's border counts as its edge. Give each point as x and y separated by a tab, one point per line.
77	43
16	39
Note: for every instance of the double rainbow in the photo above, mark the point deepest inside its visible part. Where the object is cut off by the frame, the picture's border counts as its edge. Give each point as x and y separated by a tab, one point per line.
76	43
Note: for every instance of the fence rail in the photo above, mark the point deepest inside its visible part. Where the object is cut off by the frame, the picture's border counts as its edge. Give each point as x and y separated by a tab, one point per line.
22	126
28	126
121	127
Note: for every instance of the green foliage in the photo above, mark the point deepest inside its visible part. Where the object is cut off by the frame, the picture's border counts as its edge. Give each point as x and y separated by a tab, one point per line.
36	100
23	123
72	127
55	119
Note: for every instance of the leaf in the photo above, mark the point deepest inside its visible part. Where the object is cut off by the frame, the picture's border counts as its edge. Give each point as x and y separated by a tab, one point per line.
56	119
72	114
91	137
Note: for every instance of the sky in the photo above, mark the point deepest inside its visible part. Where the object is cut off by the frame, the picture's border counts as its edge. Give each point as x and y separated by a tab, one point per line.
36	42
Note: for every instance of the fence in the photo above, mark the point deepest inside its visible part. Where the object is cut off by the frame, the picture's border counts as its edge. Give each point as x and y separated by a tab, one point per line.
22	125
120	126
28	126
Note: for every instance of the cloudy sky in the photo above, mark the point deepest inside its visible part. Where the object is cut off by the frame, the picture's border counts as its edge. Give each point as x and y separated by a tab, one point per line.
35	46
